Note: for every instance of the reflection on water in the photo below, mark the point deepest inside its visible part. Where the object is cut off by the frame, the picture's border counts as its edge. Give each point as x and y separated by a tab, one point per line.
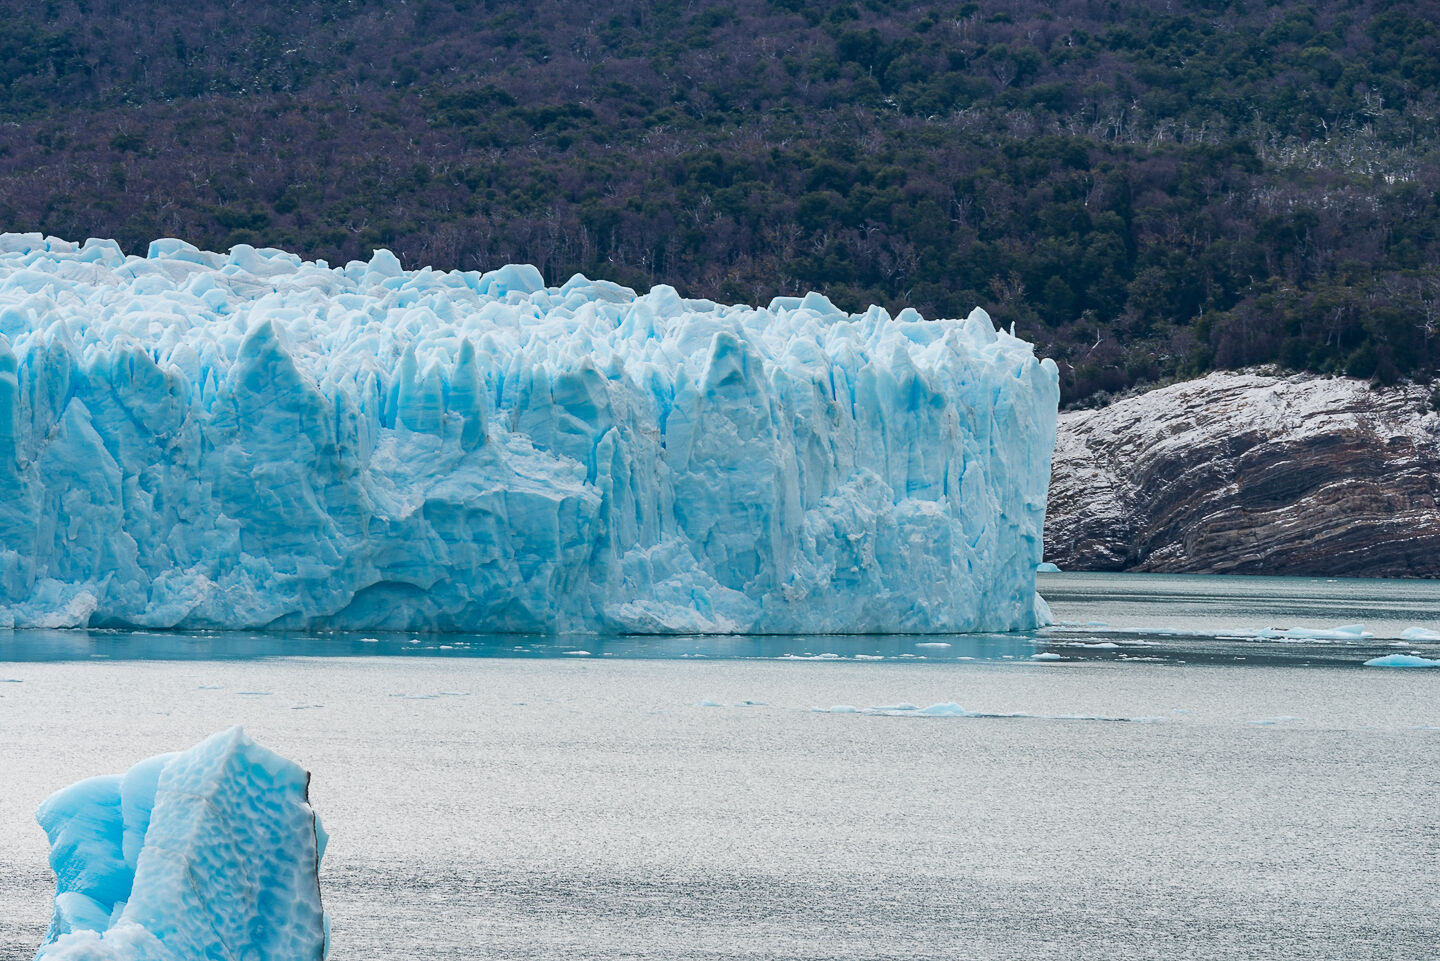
1219	605
48	645
1098	617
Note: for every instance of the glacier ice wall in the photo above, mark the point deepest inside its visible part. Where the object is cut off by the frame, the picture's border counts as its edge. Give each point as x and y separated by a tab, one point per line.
199	440
212	853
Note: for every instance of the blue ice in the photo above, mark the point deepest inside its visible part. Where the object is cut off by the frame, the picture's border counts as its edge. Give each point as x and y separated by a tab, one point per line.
1402	660
247	440
211	853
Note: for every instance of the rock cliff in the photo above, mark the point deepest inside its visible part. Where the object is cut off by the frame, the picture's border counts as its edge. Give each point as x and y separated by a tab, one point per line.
1249	473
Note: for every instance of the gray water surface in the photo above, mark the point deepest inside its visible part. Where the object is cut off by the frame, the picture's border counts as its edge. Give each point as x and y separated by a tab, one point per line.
1174	796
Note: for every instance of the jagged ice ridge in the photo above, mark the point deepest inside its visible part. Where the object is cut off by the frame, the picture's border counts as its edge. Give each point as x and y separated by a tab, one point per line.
199	440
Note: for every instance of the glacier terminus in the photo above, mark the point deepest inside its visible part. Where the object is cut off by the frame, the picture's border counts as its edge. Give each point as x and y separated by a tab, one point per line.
248	440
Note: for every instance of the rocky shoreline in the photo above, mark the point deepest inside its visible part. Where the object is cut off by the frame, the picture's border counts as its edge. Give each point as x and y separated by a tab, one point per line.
1251	473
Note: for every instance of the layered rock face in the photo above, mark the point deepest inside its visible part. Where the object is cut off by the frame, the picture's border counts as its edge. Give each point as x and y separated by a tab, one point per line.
1251	474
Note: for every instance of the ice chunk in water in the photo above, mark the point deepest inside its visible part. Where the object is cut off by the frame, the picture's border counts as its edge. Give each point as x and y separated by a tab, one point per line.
211	853
1402	660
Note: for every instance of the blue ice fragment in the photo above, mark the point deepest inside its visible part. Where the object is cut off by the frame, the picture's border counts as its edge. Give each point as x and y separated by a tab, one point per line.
211	853
524	278
384	264
1402	660
86	834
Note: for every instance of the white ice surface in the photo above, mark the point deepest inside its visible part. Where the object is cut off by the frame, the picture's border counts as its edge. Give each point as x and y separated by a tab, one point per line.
202	440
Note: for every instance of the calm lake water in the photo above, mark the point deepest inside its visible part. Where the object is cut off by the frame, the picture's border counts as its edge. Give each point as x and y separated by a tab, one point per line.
1192	778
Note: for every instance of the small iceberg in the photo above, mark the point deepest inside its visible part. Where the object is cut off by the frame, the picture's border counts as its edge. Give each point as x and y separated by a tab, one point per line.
211	853
949	709
1419	634
1402	660
1345	632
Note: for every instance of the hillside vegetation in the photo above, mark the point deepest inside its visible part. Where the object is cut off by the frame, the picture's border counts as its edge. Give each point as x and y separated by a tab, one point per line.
1148	190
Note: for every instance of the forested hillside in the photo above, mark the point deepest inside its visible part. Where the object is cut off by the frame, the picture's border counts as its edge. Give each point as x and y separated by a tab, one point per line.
1147	189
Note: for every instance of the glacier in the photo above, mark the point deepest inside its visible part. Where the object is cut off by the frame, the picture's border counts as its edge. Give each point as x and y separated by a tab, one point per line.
197	440
209	853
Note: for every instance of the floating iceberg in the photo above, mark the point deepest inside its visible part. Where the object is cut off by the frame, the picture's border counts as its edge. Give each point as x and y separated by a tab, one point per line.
197	440
1345	632
947	709
951	709
212	853
1402	660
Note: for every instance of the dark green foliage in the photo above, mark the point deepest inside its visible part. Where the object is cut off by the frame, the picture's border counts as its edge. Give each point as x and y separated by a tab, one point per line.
1146	194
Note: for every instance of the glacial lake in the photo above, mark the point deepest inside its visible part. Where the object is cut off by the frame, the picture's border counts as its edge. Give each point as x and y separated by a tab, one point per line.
1204	770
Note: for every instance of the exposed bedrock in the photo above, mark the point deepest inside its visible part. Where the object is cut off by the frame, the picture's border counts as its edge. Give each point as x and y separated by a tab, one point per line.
1248	473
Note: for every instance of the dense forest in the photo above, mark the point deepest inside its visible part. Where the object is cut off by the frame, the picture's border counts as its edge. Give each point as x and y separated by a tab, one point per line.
1148	189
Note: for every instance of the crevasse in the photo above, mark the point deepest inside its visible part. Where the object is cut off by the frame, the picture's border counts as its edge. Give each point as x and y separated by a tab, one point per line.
198	440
